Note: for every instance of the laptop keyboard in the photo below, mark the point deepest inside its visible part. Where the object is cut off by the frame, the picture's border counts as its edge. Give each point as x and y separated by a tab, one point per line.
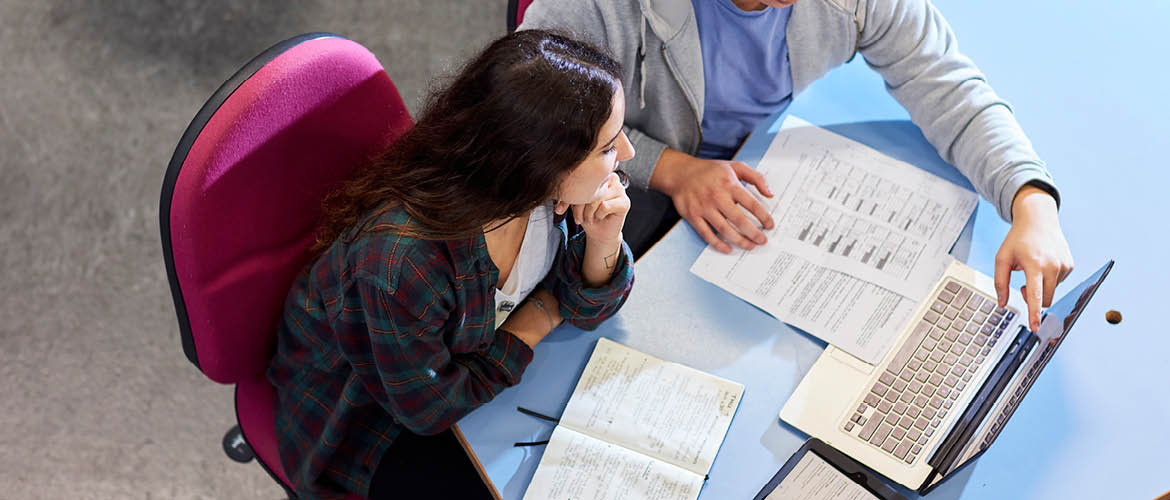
952	339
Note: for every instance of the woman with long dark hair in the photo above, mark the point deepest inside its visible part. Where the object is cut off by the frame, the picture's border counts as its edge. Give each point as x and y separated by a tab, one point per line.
443	263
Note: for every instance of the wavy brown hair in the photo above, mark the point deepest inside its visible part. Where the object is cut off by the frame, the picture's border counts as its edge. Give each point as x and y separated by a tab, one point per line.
490	145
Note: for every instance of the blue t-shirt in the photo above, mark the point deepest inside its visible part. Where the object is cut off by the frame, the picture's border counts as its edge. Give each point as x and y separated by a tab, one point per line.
745	67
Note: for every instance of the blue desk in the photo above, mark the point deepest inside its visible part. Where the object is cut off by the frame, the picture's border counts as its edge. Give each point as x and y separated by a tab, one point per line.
1093	426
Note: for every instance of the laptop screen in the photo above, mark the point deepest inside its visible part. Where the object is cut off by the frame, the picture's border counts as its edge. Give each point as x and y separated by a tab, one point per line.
1057	322
1059	318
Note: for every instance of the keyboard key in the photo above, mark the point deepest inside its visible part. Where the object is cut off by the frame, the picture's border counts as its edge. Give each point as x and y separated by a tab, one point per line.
909	347
957	370
921	377
901	450
929	366
966	360
856	418
906	422
931	389
915	386
979	319
957	349
952	287
966	314
946	296
880	435
884	407
929	412
913	412
897	434
952	335
980	340
920	401
920	424
899	386
871	400
931	316
937	356
963	295
938	306
972	328
915	364
936	333
869	428
934	423
886	378
950	381
950	313
987	307
974	302
900	407
914	434
935	380
848	426
965	338
889	445
943	392
879	389
916	449
943	324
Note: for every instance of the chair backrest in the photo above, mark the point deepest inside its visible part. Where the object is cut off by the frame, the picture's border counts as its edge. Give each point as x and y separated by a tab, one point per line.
242	195
515	15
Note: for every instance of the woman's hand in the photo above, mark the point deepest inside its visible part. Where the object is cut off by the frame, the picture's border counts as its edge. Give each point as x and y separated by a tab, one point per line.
1036	245
603	219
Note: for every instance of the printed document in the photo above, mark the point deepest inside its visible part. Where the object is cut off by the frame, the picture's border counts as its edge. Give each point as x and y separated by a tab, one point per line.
859	239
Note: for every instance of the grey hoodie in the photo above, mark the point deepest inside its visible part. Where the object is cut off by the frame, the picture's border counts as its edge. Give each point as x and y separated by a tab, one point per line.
907	41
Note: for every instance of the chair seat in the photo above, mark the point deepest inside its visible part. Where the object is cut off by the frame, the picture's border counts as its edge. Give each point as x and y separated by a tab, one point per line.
255	410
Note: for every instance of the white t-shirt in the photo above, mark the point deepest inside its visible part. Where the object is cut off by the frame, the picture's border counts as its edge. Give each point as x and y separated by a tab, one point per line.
537	252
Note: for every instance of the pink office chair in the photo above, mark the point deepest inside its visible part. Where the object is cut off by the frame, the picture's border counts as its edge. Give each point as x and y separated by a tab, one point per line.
241	201
515	16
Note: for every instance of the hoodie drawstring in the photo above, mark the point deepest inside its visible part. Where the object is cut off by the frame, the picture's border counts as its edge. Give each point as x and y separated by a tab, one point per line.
642	65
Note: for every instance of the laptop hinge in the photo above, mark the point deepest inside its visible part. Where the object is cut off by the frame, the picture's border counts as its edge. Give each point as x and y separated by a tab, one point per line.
965	427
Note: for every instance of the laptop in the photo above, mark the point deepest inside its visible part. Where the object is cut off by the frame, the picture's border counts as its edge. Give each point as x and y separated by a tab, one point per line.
944	391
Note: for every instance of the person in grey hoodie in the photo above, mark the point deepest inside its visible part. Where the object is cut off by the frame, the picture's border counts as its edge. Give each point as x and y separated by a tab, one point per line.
701	74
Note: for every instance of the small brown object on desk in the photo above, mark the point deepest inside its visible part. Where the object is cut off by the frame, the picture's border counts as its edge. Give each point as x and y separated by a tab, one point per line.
1113	317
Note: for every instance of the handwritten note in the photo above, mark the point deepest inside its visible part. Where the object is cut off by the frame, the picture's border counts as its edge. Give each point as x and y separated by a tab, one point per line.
653	424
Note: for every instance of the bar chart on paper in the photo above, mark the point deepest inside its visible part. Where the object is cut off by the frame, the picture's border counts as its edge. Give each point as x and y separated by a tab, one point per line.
846	211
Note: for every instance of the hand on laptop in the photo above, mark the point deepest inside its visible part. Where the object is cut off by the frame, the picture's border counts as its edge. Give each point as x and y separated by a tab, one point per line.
1036	245
710	195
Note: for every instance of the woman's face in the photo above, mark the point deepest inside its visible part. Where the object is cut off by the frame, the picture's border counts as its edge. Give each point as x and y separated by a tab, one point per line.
586	182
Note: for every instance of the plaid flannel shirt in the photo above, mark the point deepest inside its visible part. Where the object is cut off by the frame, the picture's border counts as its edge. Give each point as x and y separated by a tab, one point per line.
390	332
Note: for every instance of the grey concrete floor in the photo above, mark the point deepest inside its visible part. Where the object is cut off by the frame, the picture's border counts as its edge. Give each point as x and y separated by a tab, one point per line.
96	397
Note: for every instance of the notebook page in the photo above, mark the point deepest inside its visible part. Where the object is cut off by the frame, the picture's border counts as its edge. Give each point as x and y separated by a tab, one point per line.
579	467
665	410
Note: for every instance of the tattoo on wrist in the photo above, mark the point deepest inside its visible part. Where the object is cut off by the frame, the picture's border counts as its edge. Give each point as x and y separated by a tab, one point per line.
611	260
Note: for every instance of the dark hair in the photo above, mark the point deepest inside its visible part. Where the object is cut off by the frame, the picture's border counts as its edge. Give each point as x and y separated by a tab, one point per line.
493	144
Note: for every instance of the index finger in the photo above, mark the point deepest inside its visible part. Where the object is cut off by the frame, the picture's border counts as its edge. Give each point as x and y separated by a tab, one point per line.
1032	296
753	205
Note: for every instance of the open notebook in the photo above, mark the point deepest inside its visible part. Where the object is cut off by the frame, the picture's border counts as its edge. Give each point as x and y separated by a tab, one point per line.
636	427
